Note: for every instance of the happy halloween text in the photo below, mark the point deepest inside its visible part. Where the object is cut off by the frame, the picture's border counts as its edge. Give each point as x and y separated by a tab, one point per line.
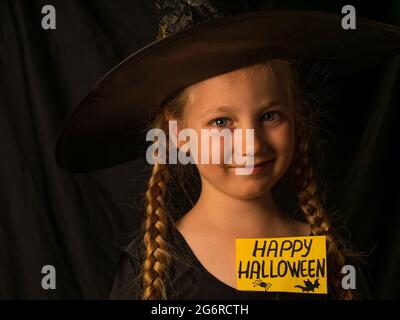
272	268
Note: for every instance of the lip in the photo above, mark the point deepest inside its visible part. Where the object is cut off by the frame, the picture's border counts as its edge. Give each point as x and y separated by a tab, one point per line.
261	163
259	166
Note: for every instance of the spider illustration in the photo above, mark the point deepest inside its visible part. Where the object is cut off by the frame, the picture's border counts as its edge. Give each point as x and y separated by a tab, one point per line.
262	284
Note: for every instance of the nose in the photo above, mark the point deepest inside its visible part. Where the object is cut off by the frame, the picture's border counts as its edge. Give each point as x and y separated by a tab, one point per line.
259	139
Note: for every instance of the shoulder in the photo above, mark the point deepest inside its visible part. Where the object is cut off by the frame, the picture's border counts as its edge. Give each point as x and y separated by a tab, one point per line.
126	283
363	278
135	247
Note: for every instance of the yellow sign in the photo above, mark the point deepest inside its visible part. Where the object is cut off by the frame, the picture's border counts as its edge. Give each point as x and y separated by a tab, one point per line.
294	264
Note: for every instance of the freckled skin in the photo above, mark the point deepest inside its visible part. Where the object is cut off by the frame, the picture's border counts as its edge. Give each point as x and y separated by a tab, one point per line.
249	93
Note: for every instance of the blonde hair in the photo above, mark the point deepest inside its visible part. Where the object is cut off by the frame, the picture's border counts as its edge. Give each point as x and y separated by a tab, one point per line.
157	257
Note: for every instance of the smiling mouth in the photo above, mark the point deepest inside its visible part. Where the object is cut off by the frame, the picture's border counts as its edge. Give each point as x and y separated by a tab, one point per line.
260	164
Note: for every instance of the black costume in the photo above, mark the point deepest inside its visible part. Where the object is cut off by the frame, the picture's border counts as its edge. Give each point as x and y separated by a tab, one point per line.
189	280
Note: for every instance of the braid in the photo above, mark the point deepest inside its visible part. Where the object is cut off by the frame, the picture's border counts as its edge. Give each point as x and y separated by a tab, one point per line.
311	207
157	256
307	191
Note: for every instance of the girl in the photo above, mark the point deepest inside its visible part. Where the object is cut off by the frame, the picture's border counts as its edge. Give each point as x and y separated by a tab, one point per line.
194	256
264	97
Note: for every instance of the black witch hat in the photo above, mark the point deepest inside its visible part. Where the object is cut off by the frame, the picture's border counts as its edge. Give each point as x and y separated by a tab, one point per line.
196	41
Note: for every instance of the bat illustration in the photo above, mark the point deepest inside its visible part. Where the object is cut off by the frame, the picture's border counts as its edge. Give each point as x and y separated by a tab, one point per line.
308	285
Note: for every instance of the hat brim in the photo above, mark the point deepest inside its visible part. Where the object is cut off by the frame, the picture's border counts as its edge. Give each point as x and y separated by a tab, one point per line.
109	126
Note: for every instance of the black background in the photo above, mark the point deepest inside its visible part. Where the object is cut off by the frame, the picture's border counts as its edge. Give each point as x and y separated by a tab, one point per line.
80	222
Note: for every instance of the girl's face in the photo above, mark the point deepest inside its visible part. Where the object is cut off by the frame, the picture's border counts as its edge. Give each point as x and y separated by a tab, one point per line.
249	98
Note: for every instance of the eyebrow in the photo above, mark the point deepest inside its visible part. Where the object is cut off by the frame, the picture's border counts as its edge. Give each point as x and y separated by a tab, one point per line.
270	105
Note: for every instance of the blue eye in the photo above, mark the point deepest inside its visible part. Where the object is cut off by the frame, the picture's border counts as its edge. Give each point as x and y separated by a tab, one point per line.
220	122
272	115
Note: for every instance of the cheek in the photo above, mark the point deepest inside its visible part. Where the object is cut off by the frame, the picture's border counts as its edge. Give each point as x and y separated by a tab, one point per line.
282	140
214	148
213	173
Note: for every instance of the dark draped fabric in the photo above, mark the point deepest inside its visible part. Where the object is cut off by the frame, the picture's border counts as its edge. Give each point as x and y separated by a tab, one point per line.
79	222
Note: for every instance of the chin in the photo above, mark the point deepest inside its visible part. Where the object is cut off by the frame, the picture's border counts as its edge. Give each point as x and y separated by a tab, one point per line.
248	187
247	190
